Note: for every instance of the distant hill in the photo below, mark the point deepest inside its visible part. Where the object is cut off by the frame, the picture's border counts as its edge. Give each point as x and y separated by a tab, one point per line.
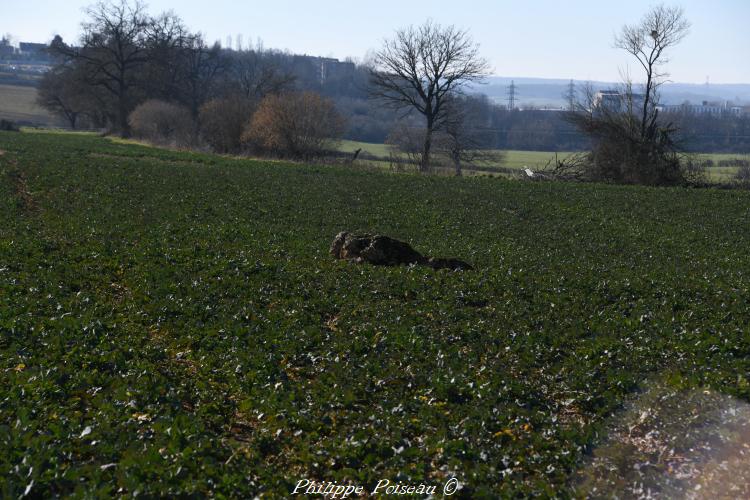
548	92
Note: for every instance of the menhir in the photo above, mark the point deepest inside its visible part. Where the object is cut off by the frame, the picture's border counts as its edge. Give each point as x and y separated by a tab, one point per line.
385	251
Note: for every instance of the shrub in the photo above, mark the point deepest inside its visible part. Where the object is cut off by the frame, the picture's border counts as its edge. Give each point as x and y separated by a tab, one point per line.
162	123
406	144
694	170
8	126
623	153
743	174
223	120
734	162
297	125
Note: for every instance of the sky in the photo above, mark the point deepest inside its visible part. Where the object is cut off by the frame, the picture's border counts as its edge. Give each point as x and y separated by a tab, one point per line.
532	38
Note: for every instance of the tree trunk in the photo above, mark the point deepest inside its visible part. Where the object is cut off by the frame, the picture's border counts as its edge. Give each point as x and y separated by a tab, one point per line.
427	147
457	164
122	107
123	118
646	100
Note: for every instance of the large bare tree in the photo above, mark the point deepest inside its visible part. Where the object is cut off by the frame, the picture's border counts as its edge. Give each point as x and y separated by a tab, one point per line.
120	50
421	68
113	50
661	28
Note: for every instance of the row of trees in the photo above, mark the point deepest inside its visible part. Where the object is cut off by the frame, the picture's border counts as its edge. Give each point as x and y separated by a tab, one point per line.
424	70
135	72
126	57
544	130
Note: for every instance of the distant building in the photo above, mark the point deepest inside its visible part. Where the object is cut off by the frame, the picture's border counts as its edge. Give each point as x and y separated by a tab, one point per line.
703	109
610	100
321	69
28	48
6	49
615	101
736	110
333	68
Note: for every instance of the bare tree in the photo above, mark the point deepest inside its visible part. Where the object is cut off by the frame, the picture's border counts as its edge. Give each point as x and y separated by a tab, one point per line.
128	54
113	50
629	142
620	151
167	40
463	139
421	68
62	92
256	74
661	28
199	68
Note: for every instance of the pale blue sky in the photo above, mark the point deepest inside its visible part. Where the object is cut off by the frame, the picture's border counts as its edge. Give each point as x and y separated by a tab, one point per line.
534	38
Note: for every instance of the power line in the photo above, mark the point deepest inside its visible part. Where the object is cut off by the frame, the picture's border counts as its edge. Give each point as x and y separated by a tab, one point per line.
512	96
570	96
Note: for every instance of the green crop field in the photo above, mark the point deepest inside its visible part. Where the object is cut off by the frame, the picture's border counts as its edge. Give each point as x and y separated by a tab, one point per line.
171	324
18	104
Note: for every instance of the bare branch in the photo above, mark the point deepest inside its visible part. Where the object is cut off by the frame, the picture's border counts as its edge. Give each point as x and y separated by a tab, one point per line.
660	29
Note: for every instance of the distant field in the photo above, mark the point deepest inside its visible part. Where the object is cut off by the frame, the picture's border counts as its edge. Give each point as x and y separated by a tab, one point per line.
538	159
367	147
513	159
17	103
722	174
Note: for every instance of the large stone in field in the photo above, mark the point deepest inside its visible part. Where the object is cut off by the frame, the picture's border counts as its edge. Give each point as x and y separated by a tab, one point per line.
374	249
385	251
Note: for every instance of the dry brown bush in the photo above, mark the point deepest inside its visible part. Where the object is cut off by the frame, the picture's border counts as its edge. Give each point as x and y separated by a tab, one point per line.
162	123
294	125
